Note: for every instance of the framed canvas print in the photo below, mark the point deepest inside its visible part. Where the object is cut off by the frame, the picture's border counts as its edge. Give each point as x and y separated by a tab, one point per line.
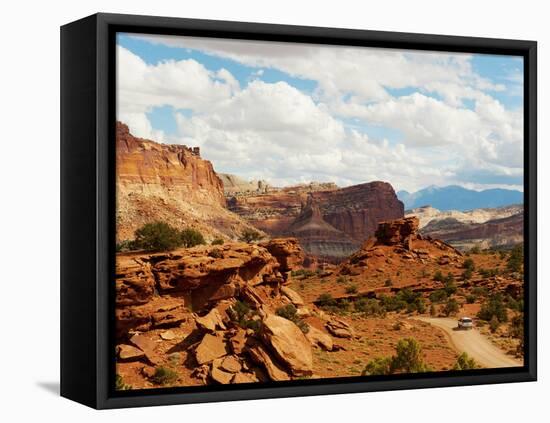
257	211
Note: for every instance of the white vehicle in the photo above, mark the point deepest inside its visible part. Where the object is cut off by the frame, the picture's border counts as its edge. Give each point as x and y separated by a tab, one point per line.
465	323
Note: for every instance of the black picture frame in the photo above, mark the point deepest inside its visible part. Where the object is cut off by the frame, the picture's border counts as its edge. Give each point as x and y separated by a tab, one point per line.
87	208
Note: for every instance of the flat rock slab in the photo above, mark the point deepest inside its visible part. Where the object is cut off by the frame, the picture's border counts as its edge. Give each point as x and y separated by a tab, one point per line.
289	344
129	352
317	337
147	345
231	364
210	348
168	335
292	295
274	370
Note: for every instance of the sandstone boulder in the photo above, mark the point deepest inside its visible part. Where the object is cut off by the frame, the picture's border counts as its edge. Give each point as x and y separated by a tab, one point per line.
287	251
135	283
219	375
244	378
210	322
148	346
260	356
231	364
317	337
292	295
340	328
210	348
394	232
289	344
128	352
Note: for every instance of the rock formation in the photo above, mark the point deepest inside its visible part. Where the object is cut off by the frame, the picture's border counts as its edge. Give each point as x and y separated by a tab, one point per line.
225	299
171	183
317	237
504	230
351	214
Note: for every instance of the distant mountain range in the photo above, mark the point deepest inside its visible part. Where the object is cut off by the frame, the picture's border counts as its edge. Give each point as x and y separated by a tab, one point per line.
454	197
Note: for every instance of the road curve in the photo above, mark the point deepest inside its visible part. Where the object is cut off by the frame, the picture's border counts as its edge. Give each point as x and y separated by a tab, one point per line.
476	345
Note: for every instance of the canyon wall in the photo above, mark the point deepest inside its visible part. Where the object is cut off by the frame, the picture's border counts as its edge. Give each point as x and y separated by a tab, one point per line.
171	183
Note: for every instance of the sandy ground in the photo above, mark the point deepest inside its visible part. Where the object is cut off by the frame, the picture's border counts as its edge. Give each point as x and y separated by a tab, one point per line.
473	343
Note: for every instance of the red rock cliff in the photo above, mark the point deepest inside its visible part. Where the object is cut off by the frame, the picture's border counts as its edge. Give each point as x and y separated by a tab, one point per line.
171	183
354	210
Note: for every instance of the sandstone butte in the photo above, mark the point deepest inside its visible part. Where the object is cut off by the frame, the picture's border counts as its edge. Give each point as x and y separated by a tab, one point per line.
330	222
171	183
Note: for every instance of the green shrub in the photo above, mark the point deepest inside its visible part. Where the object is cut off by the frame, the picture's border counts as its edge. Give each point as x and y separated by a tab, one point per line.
241	314
438	276
475	250
488	273
467	274
451	307
351	289
302	273
215	253
465	362
433	310
392	303
289	312
326	300
494	324
480	291
408	358
470	299
469	264
126	245
378	366
515	260
157	236
493	307
450	287
191	237
217	241
341	279
517	326
438	296
514	304
164	376
369	306
449	278
250	235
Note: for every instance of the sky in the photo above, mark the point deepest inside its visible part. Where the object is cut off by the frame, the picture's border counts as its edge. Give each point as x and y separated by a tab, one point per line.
293	113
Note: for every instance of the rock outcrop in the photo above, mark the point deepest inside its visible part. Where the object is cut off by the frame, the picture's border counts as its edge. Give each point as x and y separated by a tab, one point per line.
226	298
350	215
397	244
171	183
395	232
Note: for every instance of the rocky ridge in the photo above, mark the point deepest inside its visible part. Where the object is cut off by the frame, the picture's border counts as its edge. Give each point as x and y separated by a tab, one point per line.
354	211
485	228
210	313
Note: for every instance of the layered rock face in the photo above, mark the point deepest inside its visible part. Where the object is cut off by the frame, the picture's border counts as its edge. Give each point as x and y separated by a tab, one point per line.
233	185
170	183
318	237
485	228
354	211
223	299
